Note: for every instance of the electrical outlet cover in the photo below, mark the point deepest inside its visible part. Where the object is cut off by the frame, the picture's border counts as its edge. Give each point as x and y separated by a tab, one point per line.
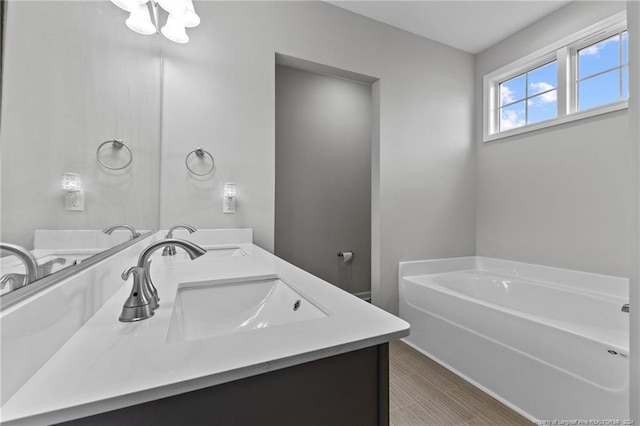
75	201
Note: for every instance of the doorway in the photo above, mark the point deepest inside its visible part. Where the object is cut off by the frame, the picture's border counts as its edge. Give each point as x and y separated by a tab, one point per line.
324	122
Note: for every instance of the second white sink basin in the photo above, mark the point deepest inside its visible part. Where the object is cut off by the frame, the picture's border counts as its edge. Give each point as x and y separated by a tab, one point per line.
226	252
211	308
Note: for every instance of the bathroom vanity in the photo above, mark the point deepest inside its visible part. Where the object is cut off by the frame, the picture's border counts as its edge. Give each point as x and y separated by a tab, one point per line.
240	337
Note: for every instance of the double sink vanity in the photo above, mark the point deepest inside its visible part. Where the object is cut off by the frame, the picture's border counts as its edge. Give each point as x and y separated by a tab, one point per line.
239	337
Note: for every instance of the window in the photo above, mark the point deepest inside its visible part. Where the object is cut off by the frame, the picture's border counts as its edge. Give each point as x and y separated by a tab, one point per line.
577	77
530	97
603	72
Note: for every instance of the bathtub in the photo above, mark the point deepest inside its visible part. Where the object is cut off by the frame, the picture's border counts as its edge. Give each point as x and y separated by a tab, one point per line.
550	343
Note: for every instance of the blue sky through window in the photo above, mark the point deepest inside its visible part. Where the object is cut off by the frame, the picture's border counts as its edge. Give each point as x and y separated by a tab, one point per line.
529	98
603	72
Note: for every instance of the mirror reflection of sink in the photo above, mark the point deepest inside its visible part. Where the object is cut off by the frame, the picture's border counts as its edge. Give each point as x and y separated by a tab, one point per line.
49	262
212	308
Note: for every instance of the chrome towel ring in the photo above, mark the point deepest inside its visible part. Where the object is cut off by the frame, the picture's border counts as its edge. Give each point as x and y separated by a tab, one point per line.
116	145
200	153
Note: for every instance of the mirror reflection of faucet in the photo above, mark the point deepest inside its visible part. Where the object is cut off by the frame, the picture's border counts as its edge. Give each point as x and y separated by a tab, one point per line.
134	233
143	299
171	249
33	272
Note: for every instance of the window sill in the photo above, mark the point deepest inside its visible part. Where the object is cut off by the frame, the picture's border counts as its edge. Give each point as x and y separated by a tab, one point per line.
560	120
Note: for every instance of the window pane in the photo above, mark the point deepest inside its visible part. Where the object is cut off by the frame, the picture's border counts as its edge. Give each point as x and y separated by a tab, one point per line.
512	116
543	79
542	107
625	48
600	90
625	82
599	57
512	90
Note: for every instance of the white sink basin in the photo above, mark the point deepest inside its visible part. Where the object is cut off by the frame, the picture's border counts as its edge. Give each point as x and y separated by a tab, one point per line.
226	252
181	255
212	308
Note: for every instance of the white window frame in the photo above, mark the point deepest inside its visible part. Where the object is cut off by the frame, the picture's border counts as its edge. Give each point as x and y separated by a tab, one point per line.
565	51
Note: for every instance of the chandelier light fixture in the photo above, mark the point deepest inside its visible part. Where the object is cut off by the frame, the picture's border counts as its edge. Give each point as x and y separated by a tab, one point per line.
144	17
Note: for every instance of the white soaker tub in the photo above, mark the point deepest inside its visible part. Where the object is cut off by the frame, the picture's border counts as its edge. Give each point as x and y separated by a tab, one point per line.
550	343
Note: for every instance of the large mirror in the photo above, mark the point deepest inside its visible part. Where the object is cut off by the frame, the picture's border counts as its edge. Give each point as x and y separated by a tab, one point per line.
74	80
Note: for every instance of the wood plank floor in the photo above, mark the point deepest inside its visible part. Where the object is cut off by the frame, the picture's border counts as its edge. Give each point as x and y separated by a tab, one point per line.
423	393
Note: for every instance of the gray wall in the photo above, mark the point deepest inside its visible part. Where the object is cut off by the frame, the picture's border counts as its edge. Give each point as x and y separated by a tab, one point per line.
323	176
557	196
74	77
219	93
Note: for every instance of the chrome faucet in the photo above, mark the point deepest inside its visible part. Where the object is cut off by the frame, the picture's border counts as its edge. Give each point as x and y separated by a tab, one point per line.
143	299
30	265
134	233
171	250
625	308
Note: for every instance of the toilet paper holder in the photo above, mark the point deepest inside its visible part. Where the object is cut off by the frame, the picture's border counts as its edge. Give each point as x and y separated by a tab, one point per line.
346	255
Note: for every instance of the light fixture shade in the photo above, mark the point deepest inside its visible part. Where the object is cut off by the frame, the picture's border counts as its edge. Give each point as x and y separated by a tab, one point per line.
140	21
174	7
128	5
71	182
190	18
174	30
230	190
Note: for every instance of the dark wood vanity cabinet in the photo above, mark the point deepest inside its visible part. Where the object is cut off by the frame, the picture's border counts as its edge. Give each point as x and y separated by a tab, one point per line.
349	389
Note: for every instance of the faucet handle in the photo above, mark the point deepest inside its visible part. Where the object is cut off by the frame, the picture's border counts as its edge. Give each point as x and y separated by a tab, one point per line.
14	280
625	308
134	269
138	305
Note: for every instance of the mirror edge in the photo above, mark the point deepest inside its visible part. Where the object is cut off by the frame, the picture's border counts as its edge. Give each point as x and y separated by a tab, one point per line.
3	30
9	299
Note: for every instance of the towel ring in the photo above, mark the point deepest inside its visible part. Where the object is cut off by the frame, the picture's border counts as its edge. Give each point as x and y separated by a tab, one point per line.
200	153
117	144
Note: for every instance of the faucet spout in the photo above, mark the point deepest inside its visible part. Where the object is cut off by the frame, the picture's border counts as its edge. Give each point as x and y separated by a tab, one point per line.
193	250
170	250
189	228
110	229
29	260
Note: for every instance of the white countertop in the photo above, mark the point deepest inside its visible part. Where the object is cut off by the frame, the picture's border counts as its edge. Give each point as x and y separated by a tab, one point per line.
108	364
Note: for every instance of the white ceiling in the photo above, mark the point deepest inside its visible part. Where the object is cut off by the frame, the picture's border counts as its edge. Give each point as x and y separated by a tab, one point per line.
471	26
